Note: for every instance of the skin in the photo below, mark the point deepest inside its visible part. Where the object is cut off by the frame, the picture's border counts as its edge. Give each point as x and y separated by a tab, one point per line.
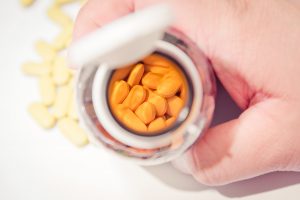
254	47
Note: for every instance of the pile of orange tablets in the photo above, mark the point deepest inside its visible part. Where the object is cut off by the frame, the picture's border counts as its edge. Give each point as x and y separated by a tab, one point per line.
148	96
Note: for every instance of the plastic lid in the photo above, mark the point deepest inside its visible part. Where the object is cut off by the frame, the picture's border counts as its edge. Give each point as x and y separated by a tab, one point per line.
123	41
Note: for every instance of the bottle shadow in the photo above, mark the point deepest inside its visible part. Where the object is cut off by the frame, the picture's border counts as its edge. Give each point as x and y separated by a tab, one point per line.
268	182
171	177
225	110
261	184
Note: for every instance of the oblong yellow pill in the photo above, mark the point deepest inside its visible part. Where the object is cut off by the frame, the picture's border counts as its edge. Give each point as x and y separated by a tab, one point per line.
136	75
136	97
61	41
146	112
157	125
151	80
159	103
71	82
175	104
41	115
61	104
47	90
73	132
130	120
37	69
62	2
120	92
45	50
58	16
26	2
61	72
72	111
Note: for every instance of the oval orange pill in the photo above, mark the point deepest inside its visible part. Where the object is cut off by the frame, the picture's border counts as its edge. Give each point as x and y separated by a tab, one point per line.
157	125
136	97
183	92
168	87
121	73
159	103
120	92
151	80
119	110
170	121
135	75
146	112
132	121
172	75
158	60
175	104
157	69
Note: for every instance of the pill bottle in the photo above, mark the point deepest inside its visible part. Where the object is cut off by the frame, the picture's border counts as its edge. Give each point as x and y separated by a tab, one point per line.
126	41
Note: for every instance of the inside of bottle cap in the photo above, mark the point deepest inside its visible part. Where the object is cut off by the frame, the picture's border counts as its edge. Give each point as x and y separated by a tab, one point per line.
124	40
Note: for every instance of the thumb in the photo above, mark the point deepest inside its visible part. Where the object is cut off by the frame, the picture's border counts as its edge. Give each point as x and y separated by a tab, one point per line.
239	149
95	14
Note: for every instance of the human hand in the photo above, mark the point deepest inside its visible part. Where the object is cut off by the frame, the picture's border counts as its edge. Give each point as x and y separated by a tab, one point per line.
254	47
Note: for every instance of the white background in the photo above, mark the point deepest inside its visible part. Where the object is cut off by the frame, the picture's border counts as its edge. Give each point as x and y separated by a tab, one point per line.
38	164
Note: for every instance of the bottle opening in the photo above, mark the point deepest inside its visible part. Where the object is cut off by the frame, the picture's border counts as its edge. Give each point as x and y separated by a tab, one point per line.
150	97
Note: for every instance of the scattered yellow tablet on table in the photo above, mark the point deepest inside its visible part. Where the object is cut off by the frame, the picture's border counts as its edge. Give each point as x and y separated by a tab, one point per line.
55	79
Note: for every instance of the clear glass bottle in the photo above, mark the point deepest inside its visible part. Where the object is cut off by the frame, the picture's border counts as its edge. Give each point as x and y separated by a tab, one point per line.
104	130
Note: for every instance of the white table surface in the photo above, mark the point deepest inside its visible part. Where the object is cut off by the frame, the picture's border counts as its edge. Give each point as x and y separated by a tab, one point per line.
38	164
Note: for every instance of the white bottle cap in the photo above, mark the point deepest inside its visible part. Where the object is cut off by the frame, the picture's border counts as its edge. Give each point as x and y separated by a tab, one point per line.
123	41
